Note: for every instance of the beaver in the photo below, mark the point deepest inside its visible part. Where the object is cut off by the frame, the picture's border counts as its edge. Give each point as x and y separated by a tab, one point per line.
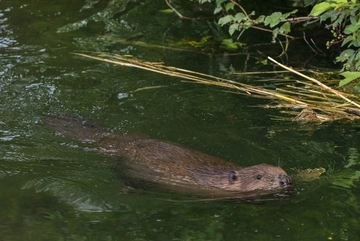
170	164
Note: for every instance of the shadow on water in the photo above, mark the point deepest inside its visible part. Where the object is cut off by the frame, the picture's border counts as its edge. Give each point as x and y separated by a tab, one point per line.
55	188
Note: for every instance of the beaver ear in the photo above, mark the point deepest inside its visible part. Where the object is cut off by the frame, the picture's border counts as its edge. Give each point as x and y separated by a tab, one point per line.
232	177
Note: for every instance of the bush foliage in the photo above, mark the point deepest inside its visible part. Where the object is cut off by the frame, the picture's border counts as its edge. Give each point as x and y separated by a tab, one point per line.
341	17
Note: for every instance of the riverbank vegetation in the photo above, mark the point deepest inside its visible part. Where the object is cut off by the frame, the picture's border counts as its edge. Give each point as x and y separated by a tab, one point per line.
269	38
340	18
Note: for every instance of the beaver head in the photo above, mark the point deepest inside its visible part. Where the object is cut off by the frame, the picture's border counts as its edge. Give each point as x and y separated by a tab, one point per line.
258	177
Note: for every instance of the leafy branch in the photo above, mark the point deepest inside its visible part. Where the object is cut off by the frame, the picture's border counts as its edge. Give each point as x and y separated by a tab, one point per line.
344	18
278	23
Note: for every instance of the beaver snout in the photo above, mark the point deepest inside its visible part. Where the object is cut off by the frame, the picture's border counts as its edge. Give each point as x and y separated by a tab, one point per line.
284	180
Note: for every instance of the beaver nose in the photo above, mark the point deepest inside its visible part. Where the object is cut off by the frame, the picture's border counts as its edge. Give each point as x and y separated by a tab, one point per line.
284	180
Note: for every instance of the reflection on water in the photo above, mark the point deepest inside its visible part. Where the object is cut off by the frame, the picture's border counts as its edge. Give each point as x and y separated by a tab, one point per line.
55	188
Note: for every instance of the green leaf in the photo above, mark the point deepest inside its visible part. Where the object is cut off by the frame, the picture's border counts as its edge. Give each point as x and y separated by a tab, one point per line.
166	10
349	29
285	15
224	20
273	19
341	3
239	17
340	18
229	44
357	60
260	19
353	20
320	8
219	3
229	6
329	14
275	32
349	76
217	10
246	25
355	43
356	175
345	55
346	40
233	27
285	28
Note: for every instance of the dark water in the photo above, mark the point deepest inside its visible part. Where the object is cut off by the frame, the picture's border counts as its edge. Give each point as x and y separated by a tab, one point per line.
53	188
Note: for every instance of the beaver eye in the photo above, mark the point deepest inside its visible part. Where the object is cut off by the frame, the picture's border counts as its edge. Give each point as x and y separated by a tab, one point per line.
258	177
232	177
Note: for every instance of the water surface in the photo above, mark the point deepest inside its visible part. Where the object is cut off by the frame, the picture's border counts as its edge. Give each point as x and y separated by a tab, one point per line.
54	188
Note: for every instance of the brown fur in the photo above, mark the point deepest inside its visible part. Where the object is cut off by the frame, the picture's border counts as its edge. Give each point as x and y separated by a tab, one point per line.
171	164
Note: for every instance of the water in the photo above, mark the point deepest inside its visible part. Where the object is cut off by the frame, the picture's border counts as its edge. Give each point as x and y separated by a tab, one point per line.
53	188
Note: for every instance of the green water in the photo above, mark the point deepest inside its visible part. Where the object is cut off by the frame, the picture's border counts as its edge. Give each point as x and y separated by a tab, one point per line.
53	188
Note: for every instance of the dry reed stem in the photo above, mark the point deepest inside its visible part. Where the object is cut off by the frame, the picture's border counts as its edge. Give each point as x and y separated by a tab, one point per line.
337	93
312	96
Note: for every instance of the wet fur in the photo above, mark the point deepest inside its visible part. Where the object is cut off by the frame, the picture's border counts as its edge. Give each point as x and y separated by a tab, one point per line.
171	164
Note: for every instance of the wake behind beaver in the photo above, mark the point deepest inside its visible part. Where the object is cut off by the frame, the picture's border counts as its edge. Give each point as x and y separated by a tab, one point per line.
171	165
